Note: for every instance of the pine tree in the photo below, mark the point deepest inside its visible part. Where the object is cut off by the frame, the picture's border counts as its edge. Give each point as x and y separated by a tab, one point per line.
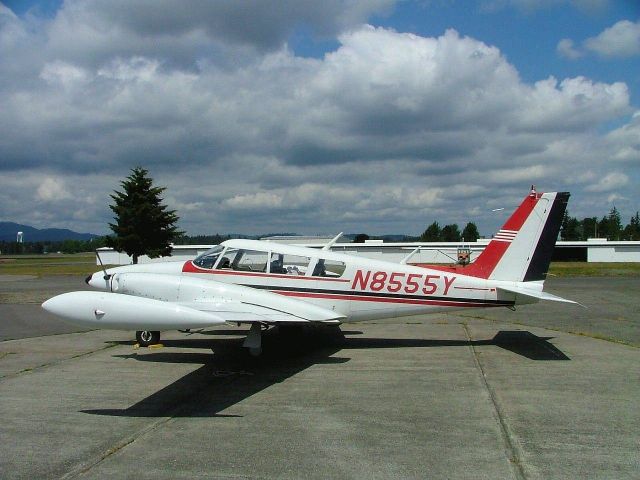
589	228
143	225
432	233
450	233
570	227
610	226
470	232
632	231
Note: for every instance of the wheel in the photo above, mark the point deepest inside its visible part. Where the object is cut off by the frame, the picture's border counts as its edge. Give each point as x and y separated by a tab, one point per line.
147	337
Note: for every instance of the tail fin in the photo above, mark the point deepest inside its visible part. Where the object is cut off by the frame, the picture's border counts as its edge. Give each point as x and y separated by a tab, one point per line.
521	251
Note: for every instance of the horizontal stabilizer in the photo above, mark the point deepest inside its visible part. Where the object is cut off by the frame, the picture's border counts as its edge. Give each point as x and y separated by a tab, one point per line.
535	294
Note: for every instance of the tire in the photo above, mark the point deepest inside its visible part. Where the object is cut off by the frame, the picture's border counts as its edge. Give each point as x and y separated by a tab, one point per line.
147	337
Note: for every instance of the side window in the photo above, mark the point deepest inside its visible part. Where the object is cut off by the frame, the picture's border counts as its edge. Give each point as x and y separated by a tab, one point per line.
328	268
251	261
228	257
243	260
288	264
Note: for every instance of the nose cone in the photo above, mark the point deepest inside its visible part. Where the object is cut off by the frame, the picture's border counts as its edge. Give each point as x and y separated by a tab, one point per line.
79	308
98	280
58	306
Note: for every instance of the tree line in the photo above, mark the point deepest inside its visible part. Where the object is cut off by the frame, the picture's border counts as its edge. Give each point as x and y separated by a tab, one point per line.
433	233
450	233
62	246
609	227
80	246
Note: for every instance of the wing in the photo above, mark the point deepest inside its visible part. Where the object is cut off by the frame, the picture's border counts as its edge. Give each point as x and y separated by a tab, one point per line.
241	303
247	313
166	302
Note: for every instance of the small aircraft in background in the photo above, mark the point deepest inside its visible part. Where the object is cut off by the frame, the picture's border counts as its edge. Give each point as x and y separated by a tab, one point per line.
265	284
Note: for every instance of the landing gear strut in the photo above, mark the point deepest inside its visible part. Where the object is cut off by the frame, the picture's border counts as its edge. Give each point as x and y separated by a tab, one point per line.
254	340
147	337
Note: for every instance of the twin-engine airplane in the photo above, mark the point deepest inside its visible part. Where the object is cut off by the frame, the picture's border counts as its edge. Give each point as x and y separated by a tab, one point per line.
265	284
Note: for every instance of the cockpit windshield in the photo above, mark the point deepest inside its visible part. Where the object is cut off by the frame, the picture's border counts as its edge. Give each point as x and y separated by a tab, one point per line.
208	259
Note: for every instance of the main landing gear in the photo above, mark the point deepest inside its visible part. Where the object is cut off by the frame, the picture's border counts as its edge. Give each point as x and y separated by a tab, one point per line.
147	337
254	340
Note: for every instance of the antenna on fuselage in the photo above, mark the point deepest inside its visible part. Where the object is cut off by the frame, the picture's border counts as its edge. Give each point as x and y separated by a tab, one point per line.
332	242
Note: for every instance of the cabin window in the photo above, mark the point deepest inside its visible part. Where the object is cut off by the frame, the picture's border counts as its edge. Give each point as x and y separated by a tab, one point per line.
328	268
285	264
244	260
252	261
208	258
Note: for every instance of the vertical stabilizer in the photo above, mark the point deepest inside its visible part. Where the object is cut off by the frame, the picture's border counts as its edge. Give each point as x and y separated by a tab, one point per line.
521	251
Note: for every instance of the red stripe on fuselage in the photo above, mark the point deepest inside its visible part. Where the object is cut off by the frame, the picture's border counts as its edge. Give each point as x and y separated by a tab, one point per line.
333	296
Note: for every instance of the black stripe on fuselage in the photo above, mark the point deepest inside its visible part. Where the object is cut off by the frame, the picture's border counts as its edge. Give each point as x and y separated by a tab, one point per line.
373	295
539	264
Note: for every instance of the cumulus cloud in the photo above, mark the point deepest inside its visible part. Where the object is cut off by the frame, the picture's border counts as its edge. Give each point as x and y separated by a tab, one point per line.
6	12
624	142
92	31
620	40
566	48
387	132
611	181
533	5
52	190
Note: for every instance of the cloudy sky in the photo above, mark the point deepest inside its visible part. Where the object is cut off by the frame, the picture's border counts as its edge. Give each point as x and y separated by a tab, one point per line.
375	116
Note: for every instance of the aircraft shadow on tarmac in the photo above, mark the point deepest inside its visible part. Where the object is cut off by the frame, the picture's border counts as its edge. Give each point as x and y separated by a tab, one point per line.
521	342
230	375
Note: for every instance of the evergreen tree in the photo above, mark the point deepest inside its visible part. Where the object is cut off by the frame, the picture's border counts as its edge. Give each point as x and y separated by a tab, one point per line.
470	232
610	226
589	228
615	224
431	234
570	228
143	225
450	233
632	231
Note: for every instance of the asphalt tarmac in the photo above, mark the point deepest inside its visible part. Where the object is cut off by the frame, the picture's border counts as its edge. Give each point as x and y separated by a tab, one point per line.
548	391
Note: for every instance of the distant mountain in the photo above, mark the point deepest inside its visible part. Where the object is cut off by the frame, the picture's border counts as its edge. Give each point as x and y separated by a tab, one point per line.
9	230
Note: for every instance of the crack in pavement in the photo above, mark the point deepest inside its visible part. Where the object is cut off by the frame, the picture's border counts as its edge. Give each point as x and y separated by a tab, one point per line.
178	410
512	452
54	362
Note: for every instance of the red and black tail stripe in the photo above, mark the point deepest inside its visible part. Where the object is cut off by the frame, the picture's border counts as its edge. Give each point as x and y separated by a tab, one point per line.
539	265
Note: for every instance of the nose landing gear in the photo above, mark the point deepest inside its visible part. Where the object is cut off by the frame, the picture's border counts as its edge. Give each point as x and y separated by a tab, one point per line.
147	337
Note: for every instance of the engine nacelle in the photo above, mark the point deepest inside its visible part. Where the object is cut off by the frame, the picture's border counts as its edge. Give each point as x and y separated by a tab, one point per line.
126	312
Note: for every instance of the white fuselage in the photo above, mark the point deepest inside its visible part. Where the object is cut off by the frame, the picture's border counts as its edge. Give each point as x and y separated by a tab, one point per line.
363	289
